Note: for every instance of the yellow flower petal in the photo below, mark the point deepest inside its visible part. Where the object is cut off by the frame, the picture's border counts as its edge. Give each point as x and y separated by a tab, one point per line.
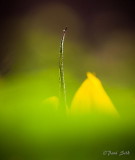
91	97
53	102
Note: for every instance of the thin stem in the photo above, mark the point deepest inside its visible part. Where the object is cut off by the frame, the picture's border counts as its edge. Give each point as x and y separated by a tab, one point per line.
61	71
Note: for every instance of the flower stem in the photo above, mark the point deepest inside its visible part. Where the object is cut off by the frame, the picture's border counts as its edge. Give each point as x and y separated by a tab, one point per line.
61	72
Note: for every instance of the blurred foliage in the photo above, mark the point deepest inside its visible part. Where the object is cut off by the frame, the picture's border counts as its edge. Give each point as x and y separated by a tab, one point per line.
32	130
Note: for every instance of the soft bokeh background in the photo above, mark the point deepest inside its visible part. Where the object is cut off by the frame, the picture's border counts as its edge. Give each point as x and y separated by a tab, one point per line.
100	39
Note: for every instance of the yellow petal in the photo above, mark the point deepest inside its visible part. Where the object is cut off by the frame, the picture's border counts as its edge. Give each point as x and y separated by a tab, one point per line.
52	102
91	97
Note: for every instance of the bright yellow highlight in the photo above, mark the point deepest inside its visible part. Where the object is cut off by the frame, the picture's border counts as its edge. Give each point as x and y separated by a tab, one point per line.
92	98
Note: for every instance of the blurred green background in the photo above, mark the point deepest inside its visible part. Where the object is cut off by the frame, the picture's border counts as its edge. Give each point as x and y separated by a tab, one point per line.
100	39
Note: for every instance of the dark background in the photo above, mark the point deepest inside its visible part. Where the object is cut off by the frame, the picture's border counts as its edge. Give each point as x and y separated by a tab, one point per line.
112	15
